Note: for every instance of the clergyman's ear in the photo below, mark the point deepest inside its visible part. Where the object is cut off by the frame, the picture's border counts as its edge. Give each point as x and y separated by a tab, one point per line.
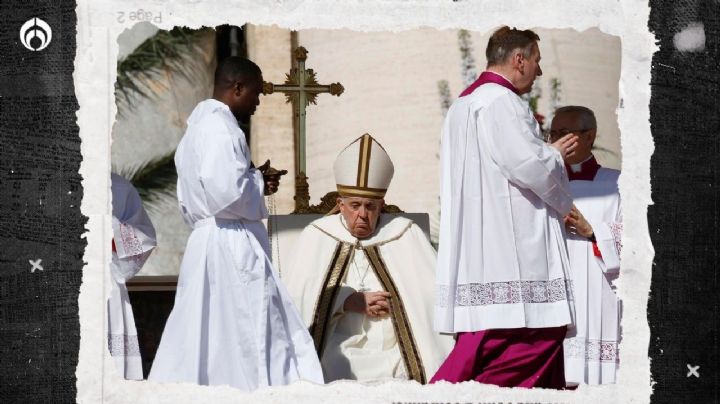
517	58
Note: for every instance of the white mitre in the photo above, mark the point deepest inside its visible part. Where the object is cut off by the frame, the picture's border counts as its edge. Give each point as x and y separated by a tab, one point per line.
363	169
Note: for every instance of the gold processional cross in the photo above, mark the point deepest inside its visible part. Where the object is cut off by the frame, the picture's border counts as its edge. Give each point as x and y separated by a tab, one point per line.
301	89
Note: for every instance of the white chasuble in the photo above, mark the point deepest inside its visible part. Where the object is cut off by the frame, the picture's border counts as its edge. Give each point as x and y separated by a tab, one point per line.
591	352
233	322
502	258
133	241
330	264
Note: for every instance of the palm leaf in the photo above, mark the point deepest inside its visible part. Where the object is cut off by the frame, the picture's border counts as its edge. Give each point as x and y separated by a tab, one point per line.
166	50
155	180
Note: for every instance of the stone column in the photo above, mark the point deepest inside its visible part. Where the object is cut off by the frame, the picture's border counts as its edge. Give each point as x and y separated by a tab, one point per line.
272	127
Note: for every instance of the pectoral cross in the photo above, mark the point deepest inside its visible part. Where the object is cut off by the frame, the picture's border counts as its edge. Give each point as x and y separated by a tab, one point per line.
301	89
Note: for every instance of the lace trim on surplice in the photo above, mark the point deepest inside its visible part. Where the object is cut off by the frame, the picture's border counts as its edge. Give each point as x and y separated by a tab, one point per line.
591	350
123	345
131	242
616	230
484	294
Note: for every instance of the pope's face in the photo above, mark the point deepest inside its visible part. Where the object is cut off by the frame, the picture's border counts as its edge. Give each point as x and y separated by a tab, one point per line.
360	214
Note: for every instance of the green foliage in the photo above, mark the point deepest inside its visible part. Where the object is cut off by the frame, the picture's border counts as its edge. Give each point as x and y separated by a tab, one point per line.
555	91
164	50
154	180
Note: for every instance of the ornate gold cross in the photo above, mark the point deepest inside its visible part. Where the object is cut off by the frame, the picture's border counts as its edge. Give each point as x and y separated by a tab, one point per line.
301	89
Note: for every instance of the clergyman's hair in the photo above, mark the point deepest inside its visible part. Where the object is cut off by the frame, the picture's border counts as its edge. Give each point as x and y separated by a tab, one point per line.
505	41
235	68
586	115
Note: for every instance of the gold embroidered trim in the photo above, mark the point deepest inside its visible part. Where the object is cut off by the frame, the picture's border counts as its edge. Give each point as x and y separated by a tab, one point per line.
328	292
401	325
364	161
361	192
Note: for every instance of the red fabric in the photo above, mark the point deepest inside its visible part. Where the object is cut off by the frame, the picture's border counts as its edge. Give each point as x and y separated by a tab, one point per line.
520	357
113	245
587	172
596	250
489	77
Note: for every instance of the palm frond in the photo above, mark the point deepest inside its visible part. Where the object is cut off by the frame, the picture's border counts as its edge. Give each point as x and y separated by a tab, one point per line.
163	51
155	180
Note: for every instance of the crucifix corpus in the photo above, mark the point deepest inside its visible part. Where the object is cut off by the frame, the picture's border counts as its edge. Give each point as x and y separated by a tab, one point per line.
301	89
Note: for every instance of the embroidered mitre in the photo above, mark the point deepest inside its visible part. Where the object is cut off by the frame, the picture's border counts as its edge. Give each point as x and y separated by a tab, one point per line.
363	169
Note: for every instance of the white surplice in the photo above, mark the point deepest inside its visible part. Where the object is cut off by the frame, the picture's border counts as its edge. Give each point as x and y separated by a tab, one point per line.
355	346
233	322
502	259
591	353
134	240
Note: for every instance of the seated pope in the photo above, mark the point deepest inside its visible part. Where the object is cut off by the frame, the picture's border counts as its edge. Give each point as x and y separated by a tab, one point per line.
364	280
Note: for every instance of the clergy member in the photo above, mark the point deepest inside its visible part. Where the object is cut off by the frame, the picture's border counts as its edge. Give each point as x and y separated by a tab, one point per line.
502	260
233	322
133	241
363	279
593	242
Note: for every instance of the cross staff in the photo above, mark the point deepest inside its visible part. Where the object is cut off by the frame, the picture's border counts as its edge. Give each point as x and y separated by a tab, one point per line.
301	89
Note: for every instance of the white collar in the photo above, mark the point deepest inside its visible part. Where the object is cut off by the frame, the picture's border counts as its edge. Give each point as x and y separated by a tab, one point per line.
389	227
576	168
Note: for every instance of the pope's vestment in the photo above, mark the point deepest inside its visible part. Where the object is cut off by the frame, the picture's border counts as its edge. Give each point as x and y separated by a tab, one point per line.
233	322
330	264
133	242
591	350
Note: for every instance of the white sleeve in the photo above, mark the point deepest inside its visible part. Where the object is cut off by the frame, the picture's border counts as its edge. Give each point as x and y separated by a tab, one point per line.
524	159
126	268
232	188
133	232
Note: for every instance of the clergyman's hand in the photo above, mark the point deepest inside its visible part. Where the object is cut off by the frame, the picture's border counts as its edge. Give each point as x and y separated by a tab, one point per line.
271	176
576	223
373	304
566	145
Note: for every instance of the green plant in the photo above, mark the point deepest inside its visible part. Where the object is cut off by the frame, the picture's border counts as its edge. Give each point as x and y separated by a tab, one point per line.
166	50
155	179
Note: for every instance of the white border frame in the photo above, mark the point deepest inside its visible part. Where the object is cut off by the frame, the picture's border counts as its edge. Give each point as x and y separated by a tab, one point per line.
97	31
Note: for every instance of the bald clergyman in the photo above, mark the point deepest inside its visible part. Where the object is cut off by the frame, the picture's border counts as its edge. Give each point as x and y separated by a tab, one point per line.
363	280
